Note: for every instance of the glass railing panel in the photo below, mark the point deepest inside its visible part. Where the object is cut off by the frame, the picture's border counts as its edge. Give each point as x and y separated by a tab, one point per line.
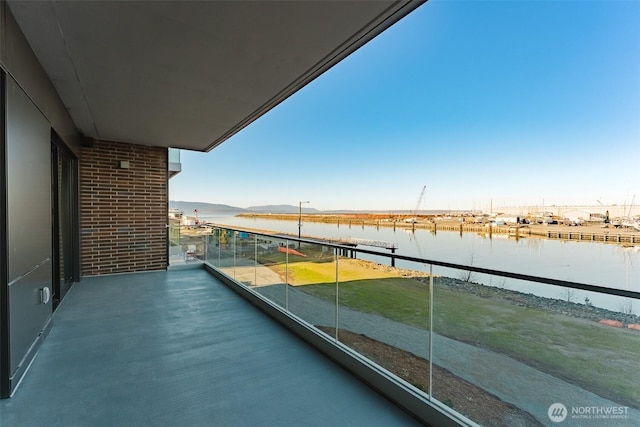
244	263
213	248
227	251
311	290
271	258
384	315
499	349
187	244
519	347
174	155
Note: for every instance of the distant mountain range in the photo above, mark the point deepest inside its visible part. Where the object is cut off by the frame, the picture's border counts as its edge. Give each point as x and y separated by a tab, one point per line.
217	209
279	209
213	208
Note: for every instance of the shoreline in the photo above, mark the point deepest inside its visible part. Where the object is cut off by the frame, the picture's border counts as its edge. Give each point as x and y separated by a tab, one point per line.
555	305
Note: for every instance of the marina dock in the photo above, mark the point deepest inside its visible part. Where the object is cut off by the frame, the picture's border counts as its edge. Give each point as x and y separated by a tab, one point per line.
585	233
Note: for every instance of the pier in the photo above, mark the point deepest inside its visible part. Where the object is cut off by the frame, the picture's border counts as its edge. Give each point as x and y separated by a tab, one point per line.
355	242
594	237
363	242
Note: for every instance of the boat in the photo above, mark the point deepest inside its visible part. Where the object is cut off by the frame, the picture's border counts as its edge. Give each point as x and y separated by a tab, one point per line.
631	223
290	251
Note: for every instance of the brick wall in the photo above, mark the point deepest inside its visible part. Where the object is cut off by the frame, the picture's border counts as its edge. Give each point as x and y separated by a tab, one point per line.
123	212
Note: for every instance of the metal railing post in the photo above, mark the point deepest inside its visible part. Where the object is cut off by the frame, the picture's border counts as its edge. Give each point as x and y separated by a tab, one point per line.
286	277
337	290
430	331
206	247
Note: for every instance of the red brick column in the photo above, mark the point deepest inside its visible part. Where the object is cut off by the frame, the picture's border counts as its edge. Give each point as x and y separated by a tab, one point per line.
123	211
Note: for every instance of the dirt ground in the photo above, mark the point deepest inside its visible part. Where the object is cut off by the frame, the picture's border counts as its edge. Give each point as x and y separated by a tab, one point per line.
464	397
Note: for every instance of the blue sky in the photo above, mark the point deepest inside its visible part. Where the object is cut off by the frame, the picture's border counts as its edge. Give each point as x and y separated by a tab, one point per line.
502	103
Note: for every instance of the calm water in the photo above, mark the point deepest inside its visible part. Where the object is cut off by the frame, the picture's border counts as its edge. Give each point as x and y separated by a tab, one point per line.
606	265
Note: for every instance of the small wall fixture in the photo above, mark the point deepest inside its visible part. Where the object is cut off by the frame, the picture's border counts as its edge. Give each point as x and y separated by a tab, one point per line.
45	295
124	164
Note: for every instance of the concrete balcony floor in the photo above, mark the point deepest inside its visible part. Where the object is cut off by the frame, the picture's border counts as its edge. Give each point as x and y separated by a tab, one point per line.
179	348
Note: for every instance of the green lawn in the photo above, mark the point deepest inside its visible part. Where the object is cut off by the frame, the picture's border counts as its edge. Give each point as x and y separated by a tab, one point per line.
599	358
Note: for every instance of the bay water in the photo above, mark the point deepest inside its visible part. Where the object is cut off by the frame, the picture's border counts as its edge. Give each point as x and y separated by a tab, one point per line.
607	265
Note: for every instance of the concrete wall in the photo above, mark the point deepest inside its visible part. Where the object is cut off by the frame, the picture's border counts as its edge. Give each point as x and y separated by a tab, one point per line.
28	139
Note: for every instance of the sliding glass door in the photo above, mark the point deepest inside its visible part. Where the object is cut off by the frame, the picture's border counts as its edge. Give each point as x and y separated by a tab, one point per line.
64	206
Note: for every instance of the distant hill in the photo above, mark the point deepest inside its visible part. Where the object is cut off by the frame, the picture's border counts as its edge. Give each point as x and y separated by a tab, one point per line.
218	209
213	208
204	208
280	209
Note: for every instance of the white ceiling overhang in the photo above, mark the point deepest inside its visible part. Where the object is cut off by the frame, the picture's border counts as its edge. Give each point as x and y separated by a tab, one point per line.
190	74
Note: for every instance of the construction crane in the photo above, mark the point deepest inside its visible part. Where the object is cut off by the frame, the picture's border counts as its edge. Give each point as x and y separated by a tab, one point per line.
415	212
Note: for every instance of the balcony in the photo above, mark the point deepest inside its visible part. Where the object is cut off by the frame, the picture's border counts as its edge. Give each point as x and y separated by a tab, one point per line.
180	348
515	343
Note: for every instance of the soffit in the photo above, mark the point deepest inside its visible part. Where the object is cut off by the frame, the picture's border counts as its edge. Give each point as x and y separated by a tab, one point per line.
190	74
